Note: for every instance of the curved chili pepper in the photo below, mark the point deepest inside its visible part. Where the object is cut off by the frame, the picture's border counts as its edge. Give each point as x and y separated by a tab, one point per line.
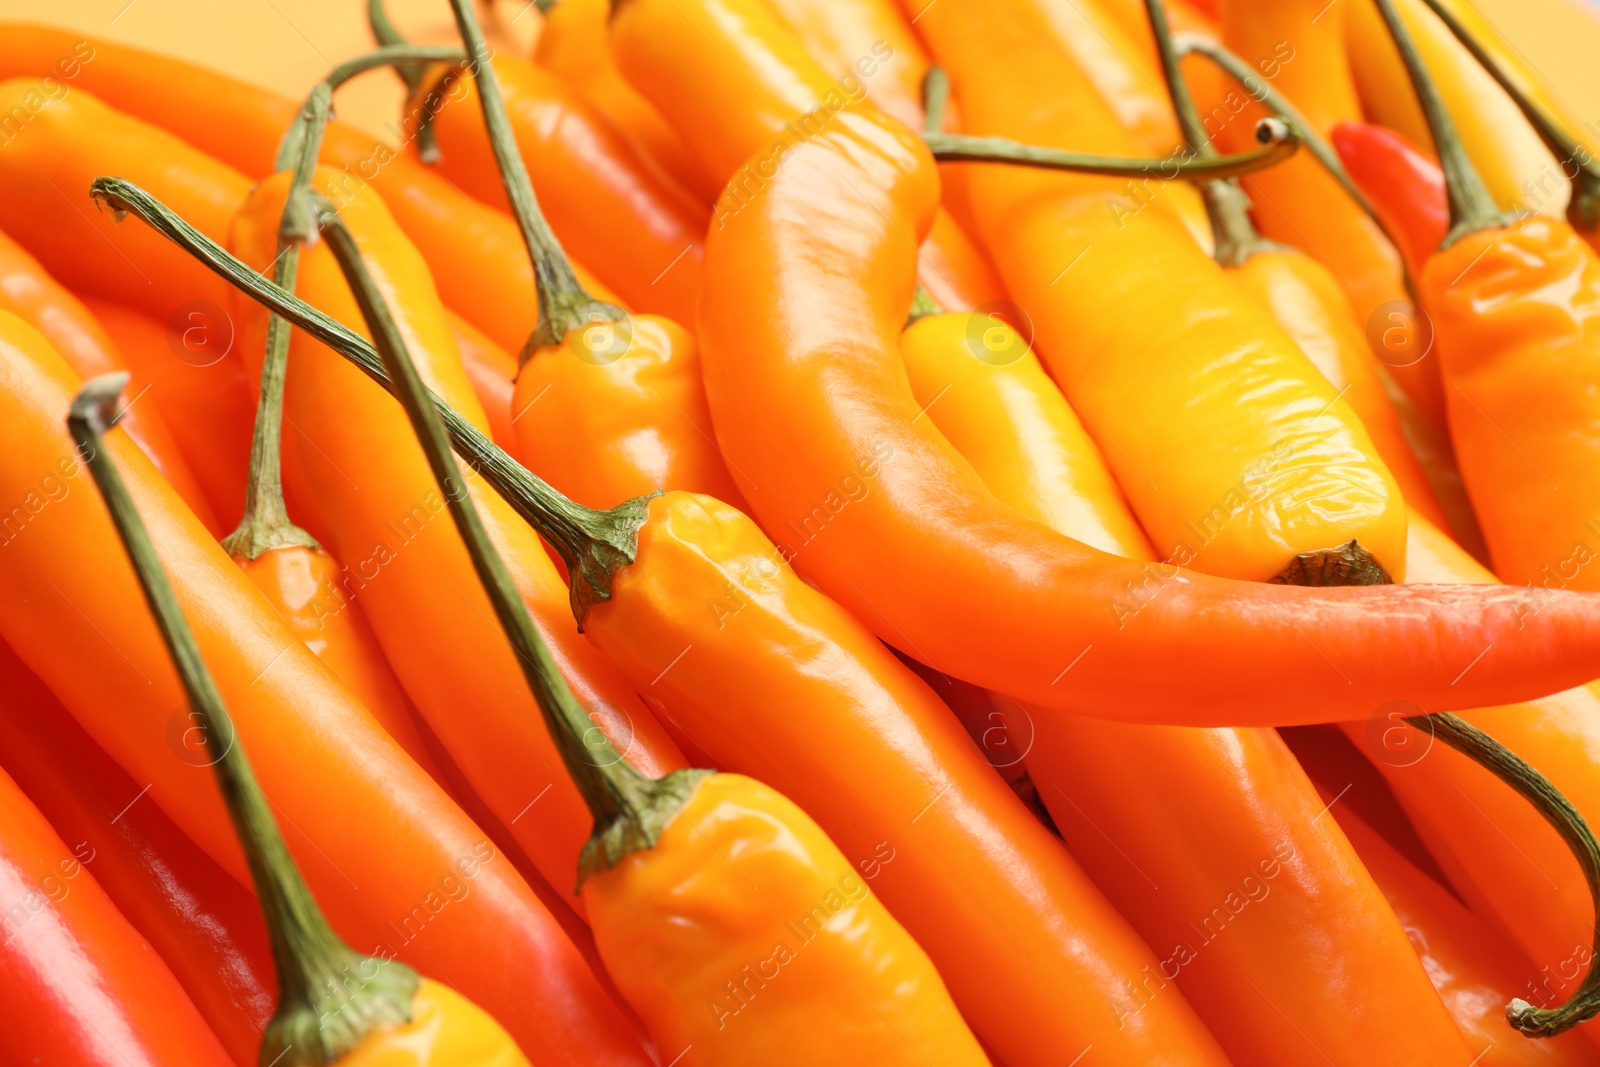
38	299
205	925
1300	50
669	925
1241	491
388	529
202	395
473	247
68	141
82	986
1274	904
394	861
838	34
1471	963
1404	185
493	374
1515	307
593	183
335	1005
572	43
736	81
1519	170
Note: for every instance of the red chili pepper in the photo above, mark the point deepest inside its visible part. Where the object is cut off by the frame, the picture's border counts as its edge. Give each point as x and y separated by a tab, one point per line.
1406	186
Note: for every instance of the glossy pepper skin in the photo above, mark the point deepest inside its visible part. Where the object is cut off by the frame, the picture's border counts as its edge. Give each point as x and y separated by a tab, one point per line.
824	322
446	1030
476	250
1505	860
1405	186
1515	164
360	806
31	294
1236	454
493	374
1273	906
609	428
758	969
573	43
640	231
82	986
772	679
737	82
202	395
205	926
44	202
391	531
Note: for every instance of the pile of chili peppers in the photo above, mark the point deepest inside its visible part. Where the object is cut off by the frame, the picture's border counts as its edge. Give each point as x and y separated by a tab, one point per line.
1018	532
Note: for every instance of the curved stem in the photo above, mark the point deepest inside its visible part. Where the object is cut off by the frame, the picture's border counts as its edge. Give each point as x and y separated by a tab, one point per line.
1569	823
1234	237
320	1018
563	303
411	73
1279	140
629	809
593	544
935	98
1471	207
1583	210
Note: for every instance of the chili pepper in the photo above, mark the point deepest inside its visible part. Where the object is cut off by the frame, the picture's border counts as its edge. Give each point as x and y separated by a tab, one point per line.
387	528
1515	308
205	925
736	81
672	928
1301	53
1303	296
493	373
596	185
1249	919
479	273
202	396
396	864
1071	597
1471	962
1406	186
81	985
334	1004
68	139
1519	170
31	294
572	43
1239	502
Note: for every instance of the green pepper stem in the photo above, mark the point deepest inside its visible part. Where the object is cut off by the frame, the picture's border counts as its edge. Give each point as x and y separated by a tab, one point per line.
922	304
1471	207
1234	237
319	1017
629	809
411	75
1278	139
593	544
1558	811
563	303
1583	210
935	98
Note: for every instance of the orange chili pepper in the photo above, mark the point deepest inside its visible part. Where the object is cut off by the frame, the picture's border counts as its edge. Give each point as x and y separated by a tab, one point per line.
640	232
1075	626
1404	185
67	142
1472	964
39	300
670	925
1308	915
573	44
201	393
1515	307
473	248
493	374
205	925
1300	50
736	81
396	864
82	986
357	473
